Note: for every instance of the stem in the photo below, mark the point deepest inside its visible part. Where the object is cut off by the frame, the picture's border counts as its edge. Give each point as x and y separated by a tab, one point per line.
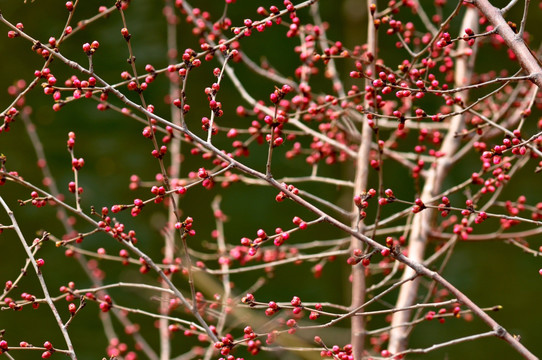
270	150
175	169
421	225
357	332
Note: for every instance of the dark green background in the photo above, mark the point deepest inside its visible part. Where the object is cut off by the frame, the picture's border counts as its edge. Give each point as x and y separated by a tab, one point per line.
490	273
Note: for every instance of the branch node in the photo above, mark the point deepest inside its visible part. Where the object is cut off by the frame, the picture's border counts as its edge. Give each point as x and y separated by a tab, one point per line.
500	332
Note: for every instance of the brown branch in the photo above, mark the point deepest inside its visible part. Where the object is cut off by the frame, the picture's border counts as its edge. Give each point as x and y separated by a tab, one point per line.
421	225
524	54
357	331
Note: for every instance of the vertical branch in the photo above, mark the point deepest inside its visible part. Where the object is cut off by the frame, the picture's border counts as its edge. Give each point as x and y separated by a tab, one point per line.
524	18
422	223
212	99
268	172
357	332
175	170
331	68
224	267
41	280
75	169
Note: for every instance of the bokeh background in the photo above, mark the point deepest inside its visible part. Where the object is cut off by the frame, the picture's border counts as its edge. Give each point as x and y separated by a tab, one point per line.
491	273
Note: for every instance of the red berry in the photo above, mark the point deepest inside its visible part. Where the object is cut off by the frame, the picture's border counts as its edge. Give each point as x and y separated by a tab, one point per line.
291	323
385	353
296	301
269	311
